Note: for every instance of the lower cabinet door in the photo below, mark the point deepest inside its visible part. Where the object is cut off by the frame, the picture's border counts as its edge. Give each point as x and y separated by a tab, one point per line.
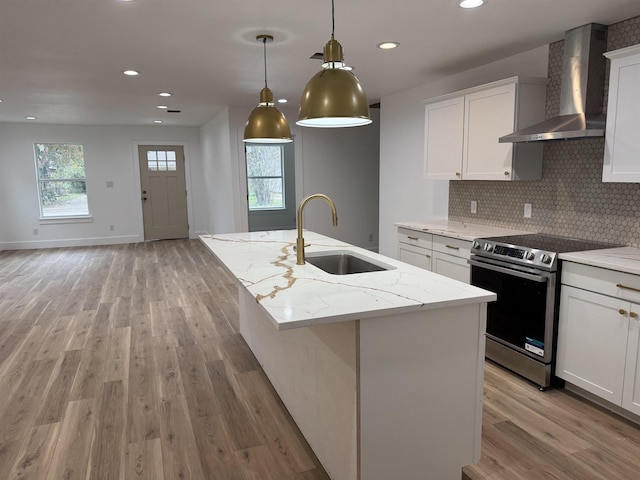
631	394
451	266
417	256
592	342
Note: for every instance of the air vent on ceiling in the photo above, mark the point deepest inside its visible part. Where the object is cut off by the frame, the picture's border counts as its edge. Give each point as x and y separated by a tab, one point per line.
174	111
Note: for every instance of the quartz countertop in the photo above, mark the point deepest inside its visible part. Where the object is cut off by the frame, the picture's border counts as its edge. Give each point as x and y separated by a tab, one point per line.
622	259
303	295
461	230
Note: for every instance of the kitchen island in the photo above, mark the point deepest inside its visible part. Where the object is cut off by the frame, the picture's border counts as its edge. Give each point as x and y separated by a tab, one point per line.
382	371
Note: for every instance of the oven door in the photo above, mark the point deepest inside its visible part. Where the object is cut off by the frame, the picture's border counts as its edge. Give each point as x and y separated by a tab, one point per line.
523	316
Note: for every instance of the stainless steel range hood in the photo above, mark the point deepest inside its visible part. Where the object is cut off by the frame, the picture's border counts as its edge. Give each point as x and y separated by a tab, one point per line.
581	92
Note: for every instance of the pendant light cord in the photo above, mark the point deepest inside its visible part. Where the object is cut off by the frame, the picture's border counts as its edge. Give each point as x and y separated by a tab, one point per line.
264	47
333	19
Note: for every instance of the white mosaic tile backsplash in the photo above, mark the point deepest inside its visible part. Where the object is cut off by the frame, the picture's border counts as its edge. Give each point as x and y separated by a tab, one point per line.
571	199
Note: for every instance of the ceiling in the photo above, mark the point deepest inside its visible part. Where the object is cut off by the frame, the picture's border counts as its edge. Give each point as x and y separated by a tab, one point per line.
62	60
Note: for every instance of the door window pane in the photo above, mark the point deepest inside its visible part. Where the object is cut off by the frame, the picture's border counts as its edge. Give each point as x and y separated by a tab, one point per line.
161	160
265	177
62	185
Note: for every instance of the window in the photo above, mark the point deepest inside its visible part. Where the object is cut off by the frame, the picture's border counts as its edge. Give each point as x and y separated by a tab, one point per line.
161	160
62	184
265	177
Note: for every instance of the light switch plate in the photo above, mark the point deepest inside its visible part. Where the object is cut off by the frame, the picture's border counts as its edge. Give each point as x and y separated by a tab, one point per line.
527	210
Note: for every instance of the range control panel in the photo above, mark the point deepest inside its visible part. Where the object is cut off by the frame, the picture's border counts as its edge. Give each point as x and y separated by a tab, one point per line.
515	254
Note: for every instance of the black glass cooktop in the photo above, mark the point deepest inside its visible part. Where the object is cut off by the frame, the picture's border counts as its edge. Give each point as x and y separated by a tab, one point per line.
550	243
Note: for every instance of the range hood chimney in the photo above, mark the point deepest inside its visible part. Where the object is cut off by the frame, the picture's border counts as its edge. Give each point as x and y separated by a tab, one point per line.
581	92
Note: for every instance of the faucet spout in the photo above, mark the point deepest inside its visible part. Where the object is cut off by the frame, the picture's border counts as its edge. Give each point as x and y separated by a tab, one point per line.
300	240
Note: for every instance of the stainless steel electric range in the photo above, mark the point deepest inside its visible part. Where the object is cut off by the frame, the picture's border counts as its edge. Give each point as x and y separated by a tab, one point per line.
522	325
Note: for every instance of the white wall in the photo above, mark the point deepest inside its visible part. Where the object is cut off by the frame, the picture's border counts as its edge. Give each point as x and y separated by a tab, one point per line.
110	155
217	175
342	163
404	194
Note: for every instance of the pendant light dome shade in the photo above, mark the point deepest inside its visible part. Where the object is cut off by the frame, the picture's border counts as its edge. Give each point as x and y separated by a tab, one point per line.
266	124
333	98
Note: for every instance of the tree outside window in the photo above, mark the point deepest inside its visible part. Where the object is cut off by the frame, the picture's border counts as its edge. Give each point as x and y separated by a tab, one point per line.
62	182
265	178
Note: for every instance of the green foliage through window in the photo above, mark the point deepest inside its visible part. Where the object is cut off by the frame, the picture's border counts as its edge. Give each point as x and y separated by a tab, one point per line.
61	179
265	177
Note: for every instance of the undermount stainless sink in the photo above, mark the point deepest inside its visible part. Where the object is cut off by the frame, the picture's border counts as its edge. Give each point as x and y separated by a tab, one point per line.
344	263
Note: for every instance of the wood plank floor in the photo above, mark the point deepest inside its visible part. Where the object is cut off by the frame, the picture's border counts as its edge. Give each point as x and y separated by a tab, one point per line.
124	362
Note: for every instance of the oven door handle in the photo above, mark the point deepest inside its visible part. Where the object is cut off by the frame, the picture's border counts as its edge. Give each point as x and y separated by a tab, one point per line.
542	278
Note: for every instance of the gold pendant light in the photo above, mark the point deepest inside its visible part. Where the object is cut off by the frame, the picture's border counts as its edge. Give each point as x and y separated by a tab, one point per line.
333	98
266	124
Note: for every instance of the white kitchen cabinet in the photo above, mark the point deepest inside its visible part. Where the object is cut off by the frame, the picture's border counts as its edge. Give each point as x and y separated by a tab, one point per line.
444	125
599	334
450	256
592	341
462	131
437	253
415	248
622	143
413	255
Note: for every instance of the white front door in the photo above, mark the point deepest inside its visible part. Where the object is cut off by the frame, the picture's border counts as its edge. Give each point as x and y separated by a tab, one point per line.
164	192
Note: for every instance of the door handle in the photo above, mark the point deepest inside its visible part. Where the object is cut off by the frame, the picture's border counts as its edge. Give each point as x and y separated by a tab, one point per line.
452	247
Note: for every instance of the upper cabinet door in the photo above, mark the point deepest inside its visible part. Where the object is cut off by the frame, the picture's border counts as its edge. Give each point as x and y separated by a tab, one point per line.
444	122
462	131
622	142
489	115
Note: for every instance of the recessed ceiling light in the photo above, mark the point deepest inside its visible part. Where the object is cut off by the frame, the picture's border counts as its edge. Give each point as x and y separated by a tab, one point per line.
131	73
282	100
164	94
163	107
471	3
157	121
388	45
30	117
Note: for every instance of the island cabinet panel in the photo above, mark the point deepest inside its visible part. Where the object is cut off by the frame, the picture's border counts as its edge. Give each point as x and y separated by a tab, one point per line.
622	143
363	388
313	369
417	374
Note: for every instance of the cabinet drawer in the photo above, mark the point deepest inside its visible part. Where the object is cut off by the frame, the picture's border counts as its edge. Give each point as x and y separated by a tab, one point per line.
414	255
412	237
607	282
452	246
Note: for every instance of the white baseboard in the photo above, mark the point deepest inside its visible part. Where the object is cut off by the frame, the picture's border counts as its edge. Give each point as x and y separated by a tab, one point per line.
70	242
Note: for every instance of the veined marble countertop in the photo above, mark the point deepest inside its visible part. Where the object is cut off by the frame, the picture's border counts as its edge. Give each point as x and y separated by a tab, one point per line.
461	230
303	295
622	259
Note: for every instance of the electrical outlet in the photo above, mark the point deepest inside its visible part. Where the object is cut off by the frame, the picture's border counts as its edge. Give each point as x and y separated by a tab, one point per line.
527	210
112	228
35	231
109	183
371	237
474	206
